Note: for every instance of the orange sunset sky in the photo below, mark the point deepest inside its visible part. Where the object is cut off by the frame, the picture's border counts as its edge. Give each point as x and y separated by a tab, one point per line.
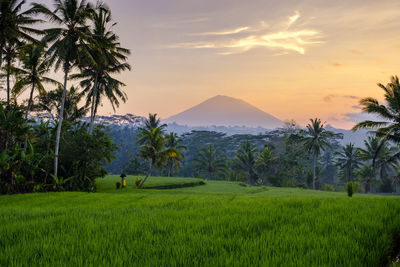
292	59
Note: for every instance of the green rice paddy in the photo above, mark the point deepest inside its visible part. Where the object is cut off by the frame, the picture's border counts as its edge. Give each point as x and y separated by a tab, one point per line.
217	224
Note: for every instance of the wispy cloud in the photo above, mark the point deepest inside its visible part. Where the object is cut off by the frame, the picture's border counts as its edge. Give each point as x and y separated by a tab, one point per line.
285	39
294	18
336	64
329	98
227	32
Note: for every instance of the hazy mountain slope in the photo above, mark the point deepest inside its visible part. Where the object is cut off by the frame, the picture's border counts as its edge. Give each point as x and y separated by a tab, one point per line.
225	111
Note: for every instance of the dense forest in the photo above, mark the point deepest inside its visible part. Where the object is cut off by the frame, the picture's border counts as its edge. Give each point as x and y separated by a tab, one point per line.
277	158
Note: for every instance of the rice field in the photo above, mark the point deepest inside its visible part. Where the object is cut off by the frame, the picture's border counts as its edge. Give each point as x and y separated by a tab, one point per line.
217	224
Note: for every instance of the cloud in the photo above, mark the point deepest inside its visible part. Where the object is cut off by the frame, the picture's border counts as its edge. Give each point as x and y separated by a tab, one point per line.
336	64
284	40
329	98
357	117
227	32
195	20
294	18
355	52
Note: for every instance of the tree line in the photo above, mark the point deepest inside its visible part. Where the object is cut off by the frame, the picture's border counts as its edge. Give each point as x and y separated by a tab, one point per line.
290	156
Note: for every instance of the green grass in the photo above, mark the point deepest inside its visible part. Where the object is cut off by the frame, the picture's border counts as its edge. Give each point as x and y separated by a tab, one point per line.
217	224
108	184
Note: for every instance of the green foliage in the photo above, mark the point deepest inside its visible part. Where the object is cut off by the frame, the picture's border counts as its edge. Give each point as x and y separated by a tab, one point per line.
388	127
351	188
26	164
175	142
106	59
329	187
209	164
348	160
50	103
245	161
316	139
138	181
153	145
35	65
84	155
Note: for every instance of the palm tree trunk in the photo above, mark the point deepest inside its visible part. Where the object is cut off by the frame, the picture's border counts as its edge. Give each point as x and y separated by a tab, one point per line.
92	111
147	176
169	169
28	108
314	162
8	81
60	121
1	55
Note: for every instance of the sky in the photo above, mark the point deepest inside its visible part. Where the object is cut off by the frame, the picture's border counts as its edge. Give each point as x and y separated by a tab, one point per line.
295	59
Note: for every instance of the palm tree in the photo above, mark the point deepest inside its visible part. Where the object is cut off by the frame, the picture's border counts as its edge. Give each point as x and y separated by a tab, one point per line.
154	122
153	147
315	141
34	66
209	163
10	54
14	28
388	127
68	44
108	59
265	160
173	141
348	161
366	176
246	160
50	102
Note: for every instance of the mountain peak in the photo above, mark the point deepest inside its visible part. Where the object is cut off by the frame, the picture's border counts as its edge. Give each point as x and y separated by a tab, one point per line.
224	110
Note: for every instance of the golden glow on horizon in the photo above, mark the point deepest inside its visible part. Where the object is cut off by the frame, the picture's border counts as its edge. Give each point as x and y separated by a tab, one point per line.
293	59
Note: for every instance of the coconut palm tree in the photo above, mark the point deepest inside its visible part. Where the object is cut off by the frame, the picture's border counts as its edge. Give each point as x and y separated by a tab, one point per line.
388	126
50	102
315	141
10	54
174	141
67	44
153	148
108	59
348	160
265	160
366	176
208	162
32	74
14	29
154	122
246	160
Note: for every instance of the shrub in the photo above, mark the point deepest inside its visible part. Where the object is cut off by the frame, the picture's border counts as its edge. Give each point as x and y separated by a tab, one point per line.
329	187
301	185
242	184
118	185
350	189
138	181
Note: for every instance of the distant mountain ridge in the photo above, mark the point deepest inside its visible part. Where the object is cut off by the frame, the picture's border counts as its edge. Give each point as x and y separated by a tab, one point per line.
225	111
134	122
246	119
